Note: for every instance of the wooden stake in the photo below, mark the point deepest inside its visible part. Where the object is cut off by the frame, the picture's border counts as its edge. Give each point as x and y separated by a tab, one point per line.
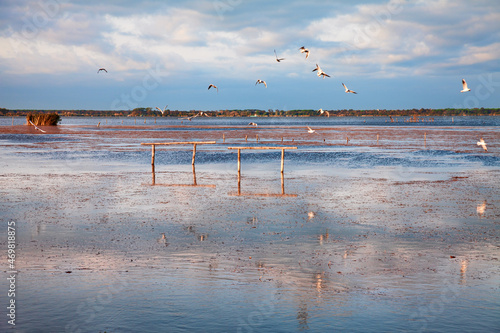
239	163
223	138
246	138
153	173
281	139
12	121
377	138
194	176
152	154
194	153
257	137
282	160
282	184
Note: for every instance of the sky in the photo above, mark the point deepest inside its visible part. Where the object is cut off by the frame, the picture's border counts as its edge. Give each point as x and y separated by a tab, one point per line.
396	54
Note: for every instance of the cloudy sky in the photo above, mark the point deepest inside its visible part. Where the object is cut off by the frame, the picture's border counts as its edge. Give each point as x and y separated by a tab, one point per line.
395	54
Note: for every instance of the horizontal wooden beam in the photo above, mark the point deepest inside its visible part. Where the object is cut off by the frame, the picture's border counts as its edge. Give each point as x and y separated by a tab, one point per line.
261	148
178	143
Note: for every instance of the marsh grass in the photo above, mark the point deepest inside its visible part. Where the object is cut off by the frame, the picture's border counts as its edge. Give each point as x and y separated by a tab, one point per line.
43	119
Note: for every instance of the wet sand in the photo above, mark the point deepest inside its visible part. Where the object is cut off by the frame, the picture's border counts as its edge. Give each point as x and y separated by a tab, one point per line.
388	248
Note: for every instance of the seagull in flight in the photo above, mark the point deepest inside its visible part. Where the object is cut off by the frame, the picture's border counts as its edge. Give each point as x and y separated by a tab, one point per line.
320	71
304	50
38	129
482	143
278	59
162	111
321	112
252	124
464	86
213	86
348	90
202	113
310	130
261	81
102	69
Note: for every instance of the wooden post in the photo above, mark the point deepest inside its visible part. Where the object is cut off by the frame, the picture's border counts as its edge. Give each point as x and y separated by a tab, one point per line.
281	139
152	154
347	140
144	120
239	184
257	137
425	139
194	153
12	121
223	138
377	138
282	160
239	162
246	138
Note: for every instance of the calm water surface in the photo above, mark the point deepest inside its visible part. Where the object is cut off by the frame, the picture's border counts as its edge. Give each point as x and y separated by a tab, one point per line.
353	238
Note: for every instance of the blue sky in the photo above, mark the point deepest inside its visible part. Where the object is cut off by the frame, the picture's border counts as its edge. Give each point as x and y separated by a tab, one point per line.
396	54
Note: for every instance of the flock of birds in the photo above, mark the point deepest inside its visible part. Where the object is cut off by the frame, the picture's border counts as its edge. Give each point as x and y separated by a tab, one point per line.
319	73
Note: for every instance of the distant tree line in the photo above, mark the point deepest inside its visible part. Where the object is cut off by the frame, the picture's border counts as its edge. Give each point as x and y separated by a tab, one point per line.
151	112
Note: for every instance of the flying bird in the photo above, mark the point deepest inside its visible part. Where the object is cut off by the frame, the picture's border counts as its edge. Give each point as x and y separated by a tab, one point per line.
261	81
202	113
102	69
482	143
252	124
310	130
162	111
311	215
213	86
278	59
464	85
320	71
321	112
304	50
38	129
349	90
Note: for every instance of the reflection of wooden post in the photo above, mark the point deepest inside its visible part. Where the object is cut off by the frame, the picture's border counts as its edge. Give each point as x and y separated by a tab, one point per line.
194	153
257	137
239	184
282	183
239	162
194	176
282	160
154	175
377	138
152	154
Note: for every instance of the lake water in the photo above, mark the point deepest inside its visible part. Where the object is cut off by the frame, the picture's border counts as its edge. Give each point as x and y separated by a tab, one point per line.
395	230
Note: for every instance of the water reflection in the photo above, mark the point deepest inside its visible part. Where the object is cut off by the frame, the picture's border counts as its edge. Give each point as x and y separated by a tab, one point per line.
282	194
194	184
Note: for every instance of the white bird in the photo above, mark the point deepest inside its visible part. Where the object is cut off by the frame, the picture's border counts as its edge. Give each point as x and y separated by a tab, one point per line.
321	112
304	50
261	81
38	129
320	72
162	111
311	215
482	143
278	59
481	208
213	86
348	90
252	124
310	130
202	113
464	86
163	239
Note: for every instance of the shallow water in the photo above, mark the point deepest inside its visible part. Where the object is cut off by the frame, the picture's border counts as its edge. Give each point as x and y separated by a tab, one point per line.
404	237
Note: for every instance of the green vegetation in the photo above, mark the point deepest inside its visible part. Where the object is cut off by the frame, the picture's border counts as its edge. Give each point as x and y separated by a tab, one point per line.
151	112
43	119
